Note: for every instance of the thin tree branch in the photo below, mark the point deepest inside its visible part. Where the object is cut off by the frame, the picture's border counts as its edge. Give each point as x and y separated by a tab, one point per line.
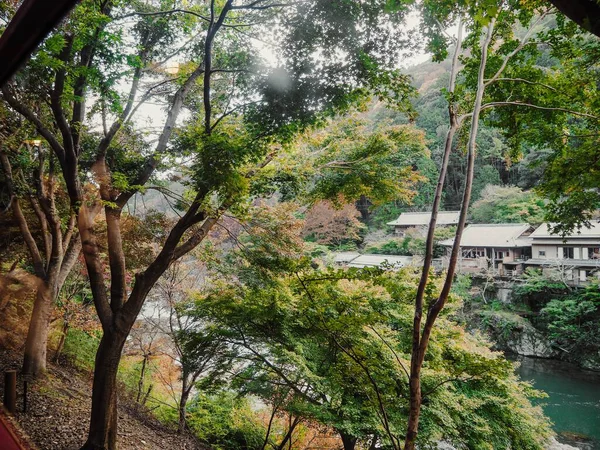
38	263
523	80
20	107
163	13
544	108
519	47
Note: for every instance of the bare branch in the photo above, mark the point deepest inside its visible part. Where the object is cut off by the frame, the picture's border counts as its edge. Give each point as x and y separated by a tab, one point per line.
523	43
31	117
257	5
544	108
523	80
163	13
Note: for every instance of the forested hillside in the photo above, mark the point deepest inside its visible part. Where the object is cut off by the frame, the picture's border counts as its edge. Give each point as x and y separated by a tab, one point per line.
512	178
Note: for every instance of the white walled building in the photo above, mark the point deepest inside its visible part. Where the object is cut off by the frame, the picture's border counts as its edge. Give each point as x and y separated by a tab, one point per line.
576	256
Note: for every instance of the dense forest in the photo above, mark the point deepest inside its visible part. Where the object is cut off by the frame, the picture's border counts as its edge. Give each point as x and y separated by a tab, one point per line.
175	178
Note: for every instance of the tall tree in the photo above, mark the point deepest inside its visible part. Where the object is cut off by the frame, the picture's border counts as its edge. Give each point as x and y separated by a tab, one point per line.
201	354
34	184
494	47
562	129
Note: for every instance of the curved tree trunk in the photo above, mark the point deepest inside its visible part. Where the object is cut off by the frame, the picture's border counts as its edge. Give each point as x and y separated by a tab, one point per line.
36	344
421	338
103	423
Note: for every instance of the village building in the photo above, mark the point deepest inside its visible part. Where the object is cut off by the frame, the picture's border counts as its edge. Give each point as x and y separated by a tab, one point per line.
575	258
506	251
352	259
420	221
499	249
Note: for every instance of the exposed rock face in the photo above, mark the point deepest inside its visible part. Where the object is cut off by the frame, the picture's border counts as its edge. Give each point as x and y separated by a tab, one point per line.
591	362
555	445
527	341
516	334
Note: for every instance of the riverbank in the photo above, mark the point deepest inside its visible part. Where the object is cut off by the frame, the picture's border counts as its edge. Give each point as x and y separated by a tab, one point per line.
573	402
536	316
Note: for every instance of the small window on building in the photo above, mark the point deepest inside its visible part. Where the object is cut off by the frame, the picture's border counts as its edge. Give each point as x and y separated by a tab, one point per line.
471	253
594	253
542	253
568	253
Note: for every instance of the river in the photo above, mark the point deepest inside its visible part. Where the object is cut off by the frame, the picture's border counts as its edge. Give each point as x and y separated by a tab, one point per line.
573	402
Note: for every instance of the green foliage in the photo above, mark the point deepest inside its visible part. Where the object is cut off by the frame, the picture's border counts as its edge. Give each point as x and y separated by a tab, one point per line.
378	165
500	323
412	245
393	247
573	321
507	204
462	286
80	348
306	88
220	158
225	422
537	288
352	157
561	74
383	214
336	342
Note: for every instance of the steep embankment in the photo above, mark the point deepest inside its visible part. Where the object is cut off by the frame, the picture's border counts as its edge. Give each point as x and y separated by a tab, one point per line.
59	409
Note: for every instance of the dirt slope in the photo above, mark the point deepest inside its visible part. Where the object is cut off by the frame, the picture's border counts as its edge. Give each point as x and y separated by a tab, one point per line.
59	409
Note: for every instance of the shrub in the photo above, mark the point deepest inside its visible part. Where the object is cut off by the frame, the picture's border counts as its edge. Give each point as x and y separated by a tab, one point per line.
392	247
225	422
80	348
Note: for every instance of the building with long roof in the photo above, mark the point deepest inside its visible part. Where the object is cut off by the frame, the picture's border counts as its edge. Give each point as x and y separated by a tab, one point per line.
419	220
502	248
353	259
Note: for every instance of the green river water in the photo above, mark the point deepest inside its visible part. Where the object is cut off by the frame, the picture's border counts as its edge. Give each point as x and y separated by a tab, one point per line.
573	402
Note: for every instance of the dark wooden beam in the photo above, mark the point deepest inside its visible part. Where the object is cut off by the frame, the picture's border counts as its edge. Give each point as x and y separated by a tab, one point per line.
585	13
30	25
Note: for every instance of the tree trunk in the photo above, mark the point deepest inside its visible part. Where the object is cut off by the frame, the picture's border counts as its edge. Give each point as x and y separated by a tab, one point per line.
61	342
421	340
415	409
103	423
141	380
36	344
145	399
374	443
181	409
348	441
287	439
363	205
